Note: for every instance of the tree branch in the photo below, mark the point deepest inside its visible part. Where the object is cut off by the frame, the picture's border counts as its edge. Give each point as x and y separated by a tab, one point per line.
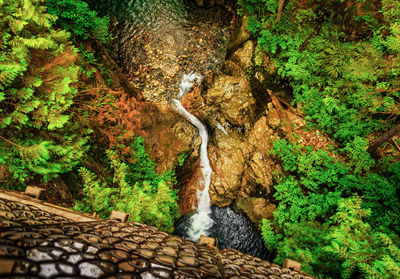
287	124
373	147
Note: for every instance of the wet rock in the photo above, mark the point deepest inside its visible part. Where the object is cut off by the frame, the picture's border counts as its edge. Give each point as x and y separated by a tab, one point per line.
244	55
191	183
227	161
241	35
232	68
242	162
256	208
168	135
240	61
233	99
194	102
273	119
263	166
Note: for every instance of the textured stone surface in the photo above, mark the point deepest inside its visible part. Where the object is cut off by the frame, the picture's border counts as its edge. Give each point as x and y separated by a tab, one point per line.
256	208
273	119
232	98
261	138
228	162
244	55
241	35
240	162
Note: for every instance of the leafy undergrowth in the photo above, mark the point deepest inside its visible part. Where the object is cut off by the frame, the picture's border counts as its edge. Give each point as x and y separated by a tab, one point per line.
62	114
135	189
338	209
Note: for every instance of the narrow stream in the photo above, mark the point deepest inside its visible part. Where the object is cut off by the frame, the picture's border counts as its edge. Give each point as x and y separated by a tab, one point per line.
157	41
231	229
200	220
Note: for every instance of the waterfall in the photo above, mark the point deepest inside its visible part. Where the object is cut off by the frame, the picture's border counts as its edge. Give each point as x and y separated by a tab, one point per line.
201	220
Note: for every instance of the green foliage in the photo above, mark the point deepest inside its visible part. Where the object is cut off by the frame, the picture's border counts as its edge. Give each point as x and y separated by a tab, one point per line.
311	192
270	238
76	16
354	242
342	65
97	195
181	159
87	62
332	76
358	156
143	167
38	134
136	189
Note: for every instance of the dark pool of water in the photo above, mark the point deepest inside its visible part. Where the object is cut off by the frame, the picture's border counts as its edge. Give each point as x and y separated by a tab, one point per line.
233	230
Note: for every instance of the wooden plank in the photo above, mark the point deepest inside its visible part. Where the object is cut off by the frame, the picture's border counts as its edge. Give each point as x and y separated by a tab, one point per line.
53	209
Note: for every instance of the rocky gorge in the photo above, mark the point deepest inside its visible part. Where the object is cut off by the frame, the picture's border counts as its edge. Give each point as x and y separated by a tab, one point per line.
231	100
266	126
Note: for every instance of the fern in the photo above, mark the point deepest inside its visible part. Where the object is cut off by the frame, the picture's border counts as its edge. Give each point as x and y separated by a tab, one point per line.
76	16
37	81
144	200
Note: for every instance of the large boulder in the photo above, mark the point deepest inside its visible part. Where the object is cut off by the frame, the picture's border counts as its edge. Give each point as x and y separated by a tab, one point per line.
240	61
242	164
168	134
263	166
232	97
227	161
244	55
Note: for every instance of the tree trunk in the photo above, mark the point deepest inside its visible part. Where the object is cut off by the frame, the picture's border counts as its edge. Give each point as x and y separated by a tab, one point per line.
373	147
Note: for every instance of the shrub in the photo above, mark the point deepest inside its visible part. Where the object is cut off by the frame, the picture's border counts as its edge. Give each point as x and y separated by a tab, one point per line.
38	132
136	189
75	16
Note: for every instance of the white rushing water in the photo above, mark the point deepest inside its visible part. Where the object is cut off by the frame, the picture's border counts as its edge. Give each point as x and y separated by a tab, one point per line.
222	128
201	220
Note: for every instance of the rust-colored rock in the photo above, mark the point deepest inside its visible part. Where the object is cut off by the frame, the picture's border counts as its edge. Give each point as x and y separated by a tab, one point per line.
190	184
169	135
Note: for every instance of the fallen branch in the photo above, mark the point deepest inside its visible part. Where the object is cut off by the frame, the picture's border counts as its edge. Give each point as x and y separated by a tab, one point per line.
395	144
287	124
280	9
290	107
373	147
